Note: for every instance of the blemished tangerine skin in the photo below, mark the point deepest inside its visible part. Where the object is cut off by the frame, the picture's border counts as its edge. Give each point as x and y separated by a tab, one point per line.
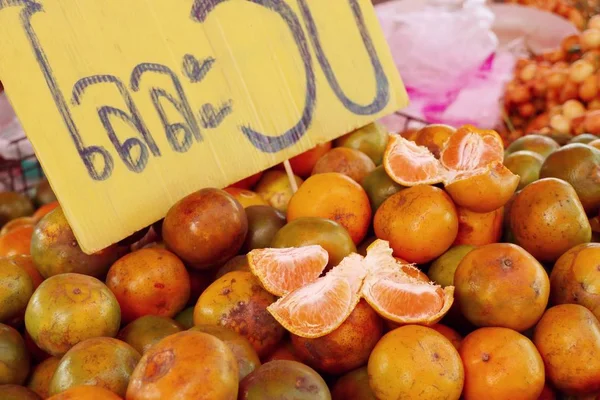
69	308
478	229
238	301
547	219
149	281
431	368
100	361
501	285
575	278
205	228
420	223
86	393
333	196
186	365
568	339
346	348
54	249
350	162
501	364
17	392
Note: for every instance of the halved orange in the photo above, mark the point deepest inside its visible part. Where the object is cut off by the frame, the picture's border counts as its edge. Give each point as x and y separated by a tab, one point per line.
410	164
483	190
399	297
470	148
319	308
282	270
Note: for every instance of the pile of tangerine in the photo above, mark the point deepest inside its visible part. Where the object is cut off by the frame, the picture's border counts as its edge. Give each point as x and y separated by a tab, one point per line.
430	265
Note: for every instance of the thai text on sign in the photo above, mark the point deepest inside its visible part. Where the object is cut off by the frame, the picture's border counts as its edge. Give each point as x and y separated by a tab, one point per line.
131	105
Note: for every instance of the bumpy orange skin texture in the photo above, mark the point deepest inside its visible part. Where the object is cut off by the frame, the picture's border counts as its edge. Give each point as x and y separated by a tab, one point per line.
431	366
575	277
501	285
39	380
578	164
485	192
478	229
86	393
54	249
14	358
501	364
333	196
350	162
370	139
149	282
69	308
206	228
17	392
237	301
419	222
241	348
16	288
547	219
284	379
100	361
353	386
433	137
186	365
312	230
16	242
568	338
26	262
146	331
346	348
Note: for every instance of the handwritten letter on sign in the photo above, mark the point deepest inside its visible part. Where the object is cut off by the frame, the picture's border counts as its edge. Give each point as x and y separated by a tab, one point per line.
133	104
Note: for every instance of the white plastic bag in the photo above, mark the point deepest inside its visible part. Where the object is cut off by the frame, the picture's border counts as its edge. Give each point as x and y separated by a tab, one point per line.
449	59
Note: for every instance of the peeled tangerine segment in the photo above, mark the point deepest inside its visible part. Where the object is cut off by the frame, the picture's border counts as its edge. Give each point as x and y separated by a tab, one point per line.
319	308
281	271
470	148
397	296
410	164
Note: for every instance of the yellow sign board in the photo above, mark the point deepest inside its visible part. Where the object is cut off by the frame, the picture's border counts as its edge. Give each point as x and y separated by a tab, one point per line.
133	104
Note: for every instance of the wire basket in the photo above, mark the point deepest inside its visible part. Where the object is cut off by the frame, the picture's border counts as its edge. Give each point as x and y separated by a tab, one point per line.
21	174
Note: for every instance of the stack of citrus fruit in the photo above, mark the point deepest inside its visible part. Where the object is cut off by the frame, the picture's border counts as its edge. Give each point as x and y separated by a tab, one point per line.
440	266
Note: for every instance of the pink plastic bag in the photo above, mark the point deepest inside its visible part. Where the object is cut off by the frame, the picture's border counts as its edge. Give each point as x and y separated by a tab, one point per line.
449	59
